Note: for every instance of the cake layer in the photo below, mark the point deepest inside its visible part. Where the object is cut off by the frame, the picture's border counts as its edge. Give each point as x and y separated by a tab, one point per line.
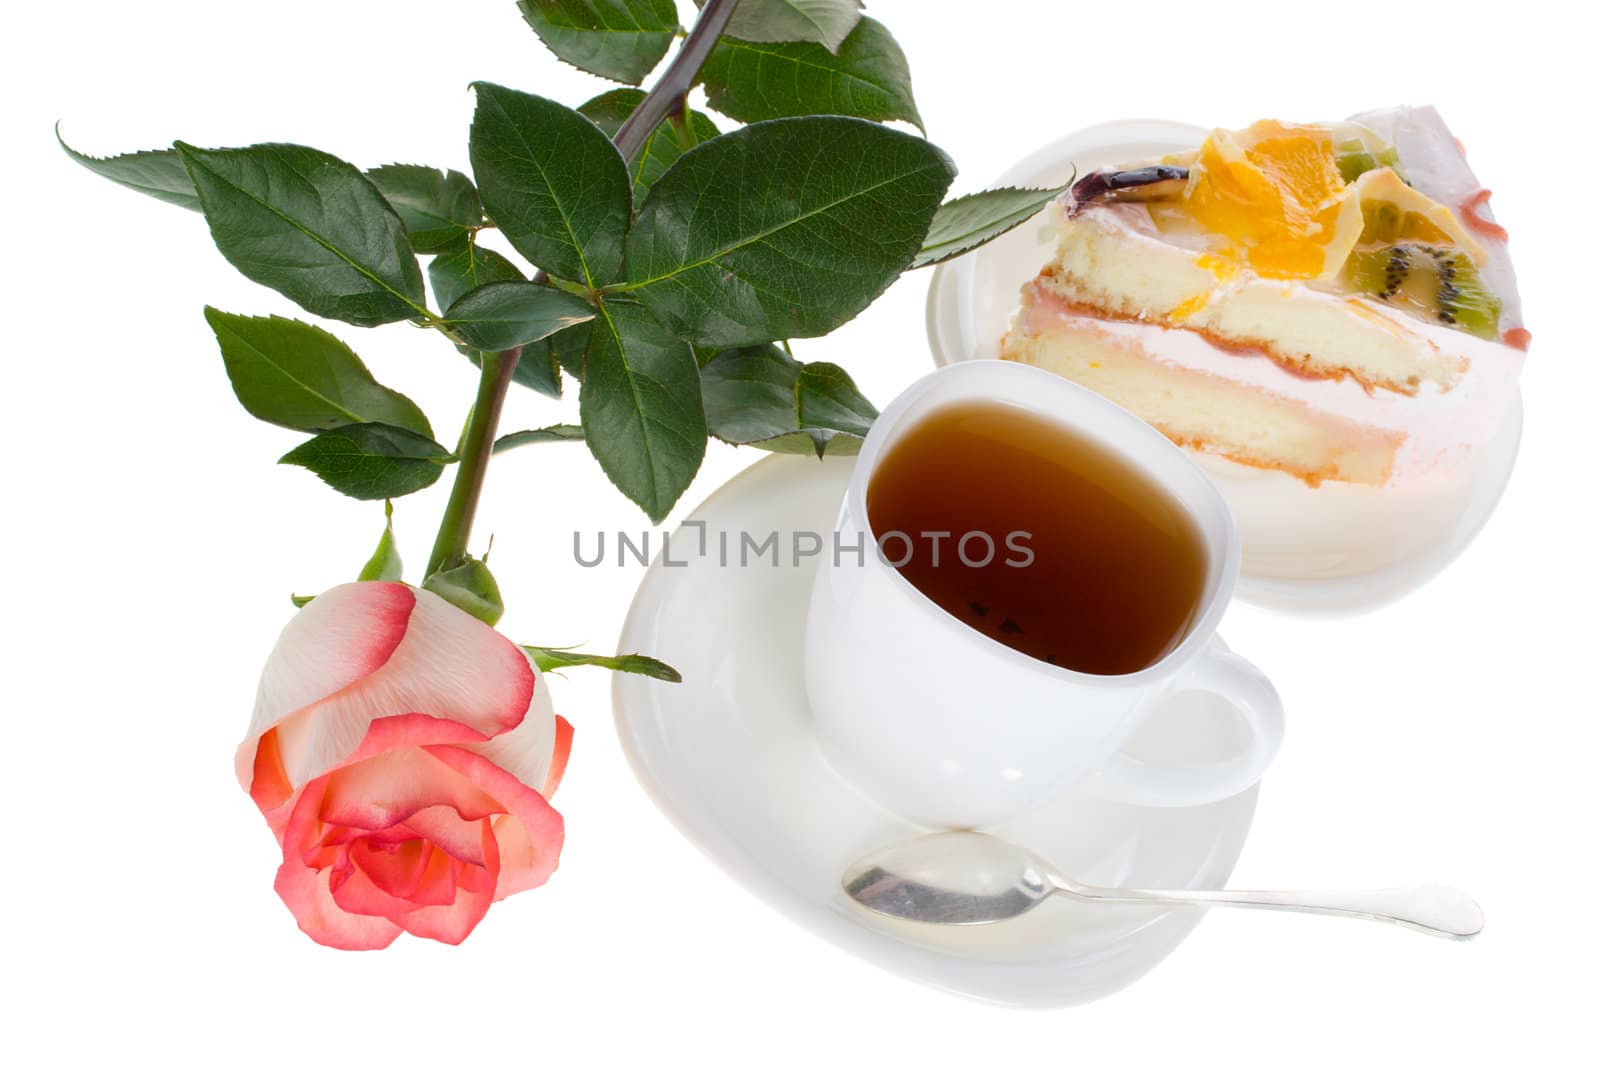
1112	260
1243	405
1199	409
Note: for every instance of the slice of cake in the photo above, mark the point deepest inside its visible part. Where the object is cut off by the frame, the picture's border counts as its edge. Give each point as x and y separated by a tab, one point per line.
1334	301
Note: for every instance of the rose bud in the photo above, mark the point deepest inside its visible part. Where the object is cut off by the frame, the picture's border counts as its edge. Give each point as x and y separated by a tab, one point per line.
403	753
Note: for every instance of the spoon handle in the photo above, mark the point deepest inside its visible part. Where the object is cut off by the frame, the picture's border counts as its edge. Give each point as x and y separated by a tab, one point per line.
1445	912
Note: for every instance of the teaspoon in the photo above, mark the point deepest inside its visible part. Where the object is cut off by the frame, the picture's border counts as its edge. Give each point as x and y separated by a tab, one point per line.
969	878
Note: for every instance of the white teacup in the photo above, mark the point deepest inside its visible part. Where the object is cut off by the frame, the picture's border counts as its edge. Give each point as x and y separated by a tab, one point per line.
950	728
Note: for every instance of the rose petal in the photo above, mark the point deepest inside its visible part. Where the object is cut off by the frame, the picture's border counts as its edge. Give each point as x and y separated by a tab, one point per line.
472	888
528	750
382	791
402	731
341	636
475	886
395	867
448	665
355	893
437	888
447	829
529	835
306	892
269	784
558	758
435	883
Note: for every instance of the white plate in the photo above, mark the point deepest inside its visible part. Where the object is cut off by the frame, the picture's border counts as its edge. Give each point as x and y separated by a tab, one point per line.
1338	548
728	756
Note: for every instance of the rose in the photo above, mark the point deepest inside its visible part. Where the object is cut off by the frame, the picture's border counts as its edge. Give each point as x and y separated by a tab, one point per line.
402	752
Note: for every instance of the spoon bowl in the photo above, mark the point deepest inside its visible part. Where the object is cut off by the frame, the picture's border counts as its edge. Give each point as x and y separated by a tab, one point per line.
956	878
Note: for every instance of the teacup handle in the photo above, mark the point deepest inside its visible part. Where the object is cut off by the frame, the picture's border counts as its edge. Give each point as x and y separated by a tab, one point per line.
1226	674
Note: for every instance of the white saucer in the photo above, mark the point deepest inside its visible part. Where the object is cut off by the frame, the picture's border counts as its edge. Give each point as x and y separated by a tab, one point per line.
728	756
1340	548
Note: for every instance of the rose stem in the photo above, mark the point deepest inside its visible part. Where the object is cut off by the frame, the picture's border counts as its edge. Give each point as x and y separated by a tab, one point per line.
450	547
665	99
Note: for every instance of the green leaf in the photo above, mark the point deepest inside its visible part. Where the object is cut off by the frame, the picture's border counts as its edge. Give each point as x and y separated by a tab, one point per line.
552	182
384	566
544	361
783	229
757	81
616	39
299	376
967	222
661	148
470	587
640	405
762	396
501	316
311	226
471	266
564	350
556	432
548	658
537	370
300	600
438	207
463	270
825	21
371	460
154	173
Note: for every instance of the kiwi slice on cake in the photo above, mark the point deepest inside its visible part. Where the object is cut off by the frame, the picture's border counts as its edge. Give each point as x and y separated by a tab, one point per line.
1357	160
1437	282
1357	150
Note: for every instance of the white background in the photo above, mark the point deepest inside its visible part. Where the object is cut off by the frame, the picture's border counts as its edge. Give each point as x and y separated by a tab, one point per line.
151	543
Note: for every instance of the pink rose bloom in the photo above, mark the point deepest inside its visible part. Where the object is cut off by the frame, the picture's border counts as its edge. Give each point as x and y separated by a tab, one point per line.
403	753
